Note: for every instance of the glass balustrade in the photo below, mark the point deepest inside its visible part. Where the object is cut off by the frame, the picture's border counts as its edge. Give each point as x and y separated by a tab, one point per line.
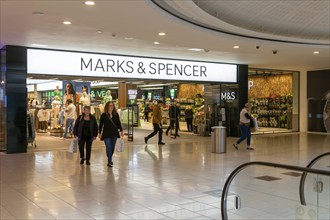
270	191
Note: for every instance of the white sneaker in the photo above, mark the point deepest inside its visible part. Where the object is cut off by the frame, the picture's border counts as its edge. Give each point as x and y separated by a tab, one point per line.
250	148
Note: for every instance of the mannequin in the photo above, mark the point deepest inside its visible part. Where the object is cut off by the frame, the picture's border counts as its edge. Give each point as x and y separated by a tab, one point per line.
34	103
84	99
107	97
56	106
57	92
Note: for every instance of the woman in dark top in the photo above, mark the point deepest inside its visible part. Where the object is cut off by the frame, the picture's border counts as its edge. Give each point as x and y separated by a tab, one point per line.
85	128
109	129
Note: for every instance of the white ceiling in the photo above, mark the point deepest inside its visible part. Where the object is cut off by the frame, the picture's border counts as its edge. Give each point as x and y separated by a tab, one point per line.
143	20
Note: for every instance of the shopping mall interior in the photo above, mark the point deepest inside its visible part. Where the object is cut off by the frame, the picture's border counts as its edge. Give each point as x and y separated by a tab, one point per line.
212	60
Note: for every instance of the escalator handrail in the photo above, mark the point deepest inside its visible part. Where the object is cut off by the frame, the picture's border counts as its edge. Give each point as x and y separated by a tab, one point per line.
304	175
275	165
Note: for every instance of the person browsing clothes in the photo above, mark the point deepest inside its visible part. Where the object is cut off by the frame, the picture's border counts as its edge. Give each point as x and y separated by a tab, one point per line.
110	129
85	128
157	123
244	124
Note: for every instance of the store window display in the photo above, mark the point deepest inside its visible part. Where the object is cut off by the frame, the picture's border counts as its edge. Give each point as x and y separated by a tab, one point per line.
272	100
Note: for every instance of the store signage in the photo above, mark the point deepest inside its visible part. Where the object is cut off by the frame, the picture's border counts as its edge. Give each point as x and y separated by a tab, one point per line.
98	93
172	93
132	93
228	96
116	66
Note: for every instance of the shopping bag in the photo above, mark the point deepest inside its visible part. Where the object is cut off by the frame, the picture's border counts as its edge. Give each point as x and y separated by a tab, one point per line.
254	124
256	127
120	145
73	146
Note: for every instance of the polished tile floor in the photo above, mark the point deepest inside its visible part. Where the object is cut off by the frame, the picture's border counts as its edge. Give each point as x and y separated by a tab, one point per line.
180	180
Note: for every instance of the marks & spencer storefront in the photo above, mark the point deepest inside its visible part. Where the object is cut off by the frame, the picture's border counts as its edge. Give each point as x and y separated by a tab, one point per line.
19	63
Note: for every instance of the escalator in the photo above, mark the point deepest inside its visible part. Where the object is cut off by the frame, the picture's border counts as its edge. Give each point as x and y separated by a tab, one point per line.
263	190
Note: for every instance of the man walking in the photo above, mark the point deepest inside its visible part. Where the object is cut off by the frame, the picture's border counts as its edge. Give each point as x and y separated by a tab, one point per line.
174	113
157	123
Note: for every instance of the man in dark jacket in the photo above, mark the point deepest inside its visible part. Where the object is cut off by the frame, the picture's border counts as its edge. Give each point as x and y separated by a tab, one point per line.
174	114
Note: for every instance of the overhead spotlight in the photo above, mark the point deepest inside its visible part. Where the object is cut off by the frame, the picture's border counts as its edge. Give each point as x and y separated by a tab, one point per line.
89	3
275	51
258	45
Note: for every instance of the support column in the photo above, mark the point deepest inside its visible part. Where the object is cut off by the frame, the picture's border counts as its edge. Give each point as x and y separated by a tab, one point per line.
303	102
16	68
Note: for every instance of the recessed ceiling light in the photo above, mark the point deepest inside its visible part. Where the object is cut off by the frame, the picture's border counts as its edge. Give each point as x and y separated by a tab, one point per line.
38	13
99	31
156	42
129	38
67	22
161	34
195	49
236	47
316	52
89	3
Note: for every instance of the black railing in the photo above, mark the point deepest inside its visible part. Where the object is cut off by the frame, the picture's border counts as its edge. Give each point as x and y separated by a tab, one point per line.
275	165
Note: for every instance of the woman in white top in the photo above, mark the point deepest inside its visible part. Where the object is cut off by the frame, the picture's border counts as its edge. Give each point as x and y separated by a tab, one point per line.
244	124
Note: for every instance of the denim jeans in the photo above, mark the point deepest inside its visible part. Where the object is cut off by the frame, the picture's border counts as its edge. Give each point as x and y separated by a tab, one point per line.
68	125
110	144
246	134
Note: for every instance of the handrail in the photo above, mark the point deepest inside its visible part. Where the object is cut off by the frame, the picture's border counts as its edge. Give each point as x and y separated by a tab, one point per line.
303	178
276	165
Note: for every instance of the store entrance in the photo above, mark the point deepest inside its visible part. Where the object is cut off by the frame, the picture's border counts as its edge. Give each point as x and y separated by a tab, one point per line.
47	104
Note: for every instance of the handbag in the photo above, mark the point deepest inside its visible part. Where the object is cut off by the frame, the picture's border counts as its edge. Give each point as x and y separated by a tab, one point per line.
113	123
73	146
120	145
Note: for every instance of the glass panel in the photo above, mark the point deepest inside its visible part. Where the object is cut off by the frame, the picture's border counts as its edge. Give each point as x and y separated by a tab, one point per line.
273	193
321	186
3	127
